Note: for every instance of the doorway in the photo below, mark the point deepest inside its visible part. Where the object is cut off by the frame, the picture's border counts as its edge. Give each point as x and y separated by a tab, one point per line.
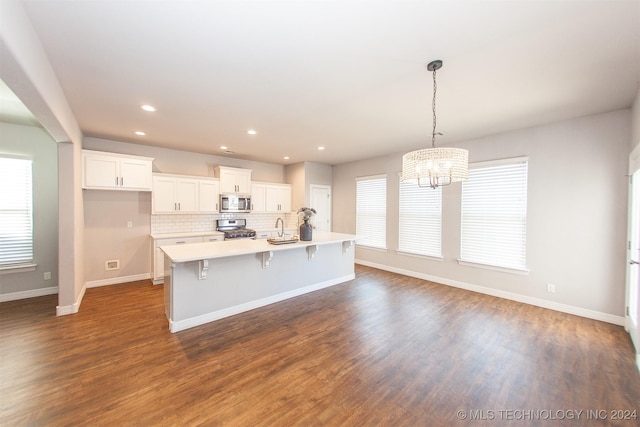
320	200
633	257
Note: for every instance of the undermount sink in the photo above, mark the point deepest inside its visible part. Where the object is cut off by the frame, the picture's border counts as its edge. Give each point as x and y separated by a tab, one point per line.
282	240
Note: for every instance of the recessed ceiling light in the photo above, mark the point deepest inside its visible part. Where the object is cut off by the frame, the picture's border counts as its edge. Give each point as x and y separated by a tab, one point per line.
251	132
320	148
286	157
140	133
223	147
147	107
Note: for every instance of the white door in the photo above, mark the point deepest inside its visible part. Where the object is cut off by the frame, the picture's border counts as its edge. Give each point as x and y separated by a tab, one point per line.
633	266
321	201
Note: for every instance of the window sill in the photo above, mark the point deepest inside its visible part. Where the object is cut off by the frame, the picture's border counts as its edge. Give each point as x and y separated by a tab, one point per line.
373	248
521	272
429	257
17	268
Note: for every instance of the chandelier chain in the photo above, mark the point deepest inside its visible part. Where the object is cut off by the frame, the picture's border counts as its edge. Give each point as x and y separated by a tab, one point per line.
433	133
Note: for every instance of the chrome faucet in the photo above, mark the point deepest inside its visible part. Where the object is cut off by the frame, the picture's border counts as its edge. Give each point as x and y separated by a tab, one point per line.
281	221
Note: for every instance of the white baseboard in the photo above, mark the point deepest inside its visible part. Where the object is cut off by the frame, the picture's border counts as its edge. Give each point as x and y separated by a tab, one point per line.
565	308
63	310
117	280
181	325
28	294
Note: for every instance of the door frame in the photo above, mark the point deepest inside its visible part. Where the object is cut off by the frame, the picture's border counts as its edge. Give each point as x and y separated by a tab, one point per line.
633	329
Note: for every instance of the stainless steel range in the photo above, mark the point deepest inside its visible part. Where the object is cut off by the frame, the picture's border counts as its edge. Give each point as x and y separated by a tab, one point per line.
235	229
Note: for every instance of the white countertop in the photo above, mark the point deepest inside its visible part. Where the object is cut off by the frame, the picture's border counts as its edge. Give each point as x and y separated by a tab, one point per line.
229	248
157	236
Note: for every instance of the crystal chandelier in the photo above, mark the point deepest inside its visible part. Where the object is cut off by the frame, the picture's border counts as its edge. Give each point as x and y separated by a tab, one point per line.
440	166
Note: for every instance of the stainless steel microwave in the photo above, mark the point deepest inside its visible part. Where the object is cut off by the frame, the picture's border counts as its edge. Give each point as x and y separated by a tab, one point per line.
235	203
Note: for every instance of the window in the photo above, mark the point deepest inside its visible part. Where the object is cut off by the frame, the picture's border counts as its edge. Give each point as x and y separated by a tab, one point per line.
420	220
494	214
16	216
371	211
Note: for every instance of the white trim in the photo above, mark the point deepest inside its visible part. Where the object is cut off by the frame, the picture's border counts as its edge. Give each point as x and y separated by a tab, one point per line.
634	159
117	280
63	310
372	248
28	294
180	325
416	255
638	361
551	305
17	268
499	162
362	178
521	272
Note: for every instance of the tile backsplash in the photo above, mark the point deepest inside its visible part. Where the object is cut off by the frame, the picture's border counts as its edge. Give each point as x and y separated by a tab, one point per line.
189	223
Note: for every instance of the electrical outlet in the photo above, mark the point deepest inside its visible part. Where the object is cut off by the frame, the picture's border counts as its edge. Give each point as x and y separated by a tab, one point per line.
47	275
113	264
551	287
129	224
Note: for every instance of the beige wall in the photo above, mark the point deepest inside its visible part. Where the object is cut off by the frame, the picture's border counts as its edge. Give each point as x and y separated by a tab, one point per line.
36	144
577	209
295	175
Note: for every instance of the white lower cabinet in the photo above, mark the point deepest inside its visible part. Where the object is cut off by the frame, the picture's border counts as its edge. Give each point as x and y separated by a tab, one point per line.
158	255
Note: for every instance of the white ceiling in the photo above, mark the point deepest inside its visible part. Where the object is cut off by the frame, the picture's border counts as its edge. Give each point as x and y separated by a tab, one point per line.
346	75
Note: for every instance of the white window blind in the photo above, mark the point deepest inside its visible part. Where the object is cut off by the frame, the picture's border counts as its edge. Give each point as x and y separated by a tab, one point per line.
494	214
420	220
16	217
371	211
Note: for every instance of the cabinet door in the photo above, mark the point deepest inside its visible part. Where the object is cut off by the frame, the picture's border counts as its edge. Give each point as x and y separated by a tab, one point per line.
285	199
208	192
187	195
135	174
158	265
272	197
164	195
101	172
258	198
228	181
243	181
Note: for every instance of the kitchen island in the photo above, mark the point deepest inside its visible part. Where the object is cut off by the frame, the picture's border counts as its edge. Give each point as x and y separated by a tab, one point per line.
209	281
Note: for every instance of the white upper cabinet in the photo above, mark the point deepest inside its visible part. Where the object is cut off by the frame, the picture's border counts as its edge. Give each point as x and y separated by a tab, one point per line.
208	195
172	194
269	197
111	171
234	180
258	197
278	198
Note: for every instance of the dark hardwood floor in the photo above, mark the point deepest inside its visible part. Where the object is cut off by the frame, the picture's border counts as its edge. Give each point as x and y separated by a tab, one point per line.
383	349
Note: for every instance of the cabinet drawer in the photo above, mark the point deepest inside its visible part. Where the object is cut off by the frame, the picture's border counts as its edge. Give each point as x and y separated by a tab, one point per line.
212	238
178	241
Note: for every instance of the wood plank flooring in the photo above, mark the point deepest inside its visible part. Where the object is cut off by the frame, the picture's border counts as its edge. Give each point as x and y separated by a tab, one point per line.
383	349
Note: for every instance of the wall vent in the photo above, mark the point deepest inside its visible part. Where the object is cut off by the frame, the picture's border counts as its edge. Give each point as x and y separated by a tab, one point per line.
113	264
